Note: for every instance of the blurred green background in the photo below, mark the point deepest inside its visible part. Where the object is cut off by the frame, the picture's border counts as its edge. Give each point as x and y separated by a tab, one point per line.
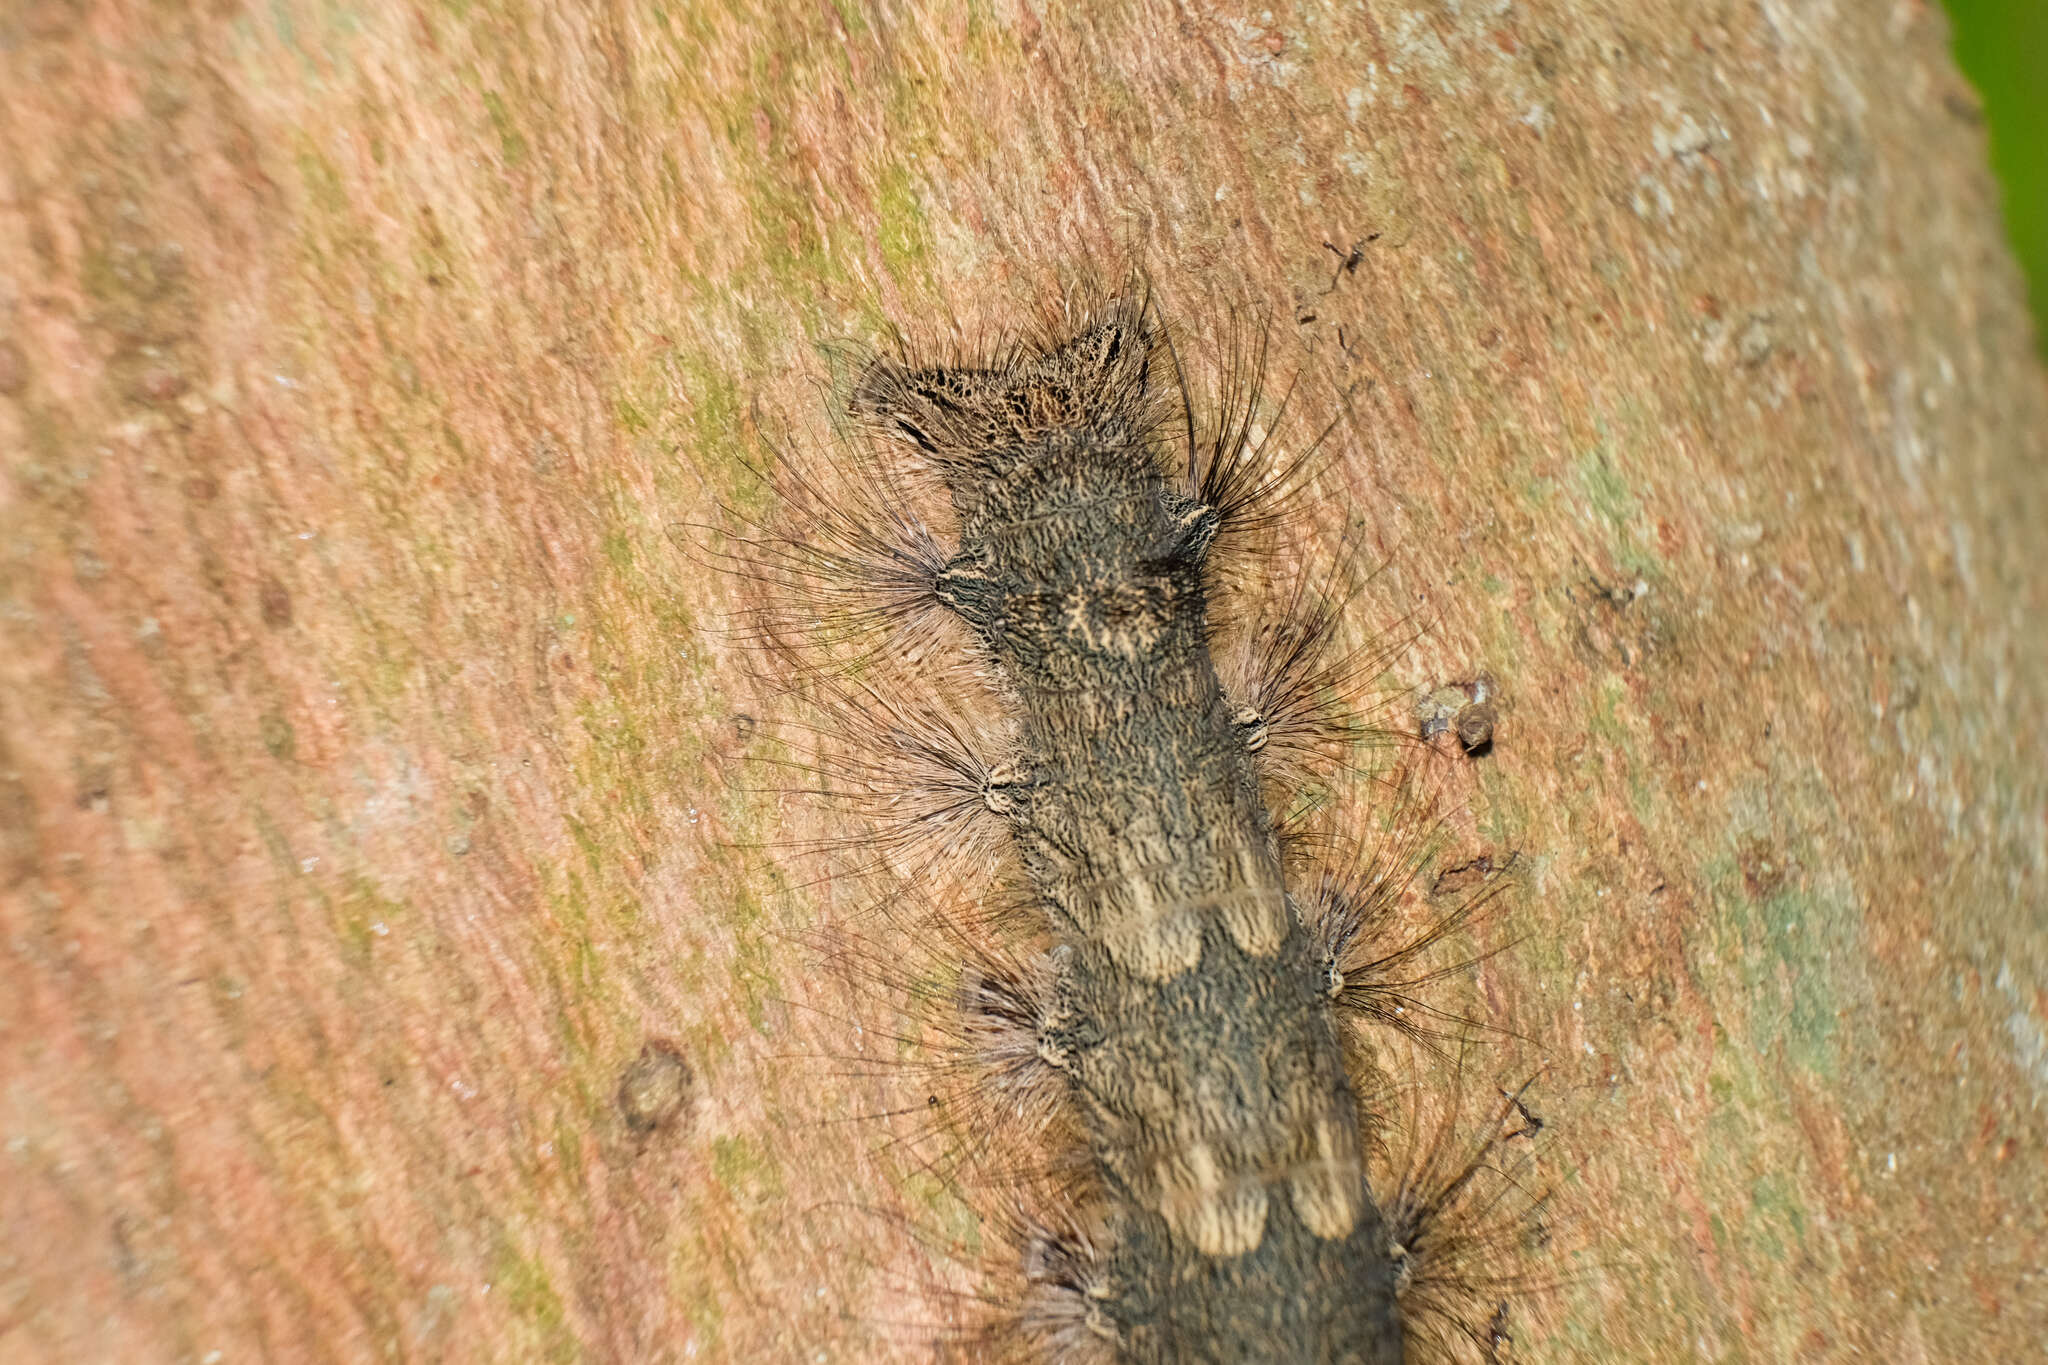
2002	46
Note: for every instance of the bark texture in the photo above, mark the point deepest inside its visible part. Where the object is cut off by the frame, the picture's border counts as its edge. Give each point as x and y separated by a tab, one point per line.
382	970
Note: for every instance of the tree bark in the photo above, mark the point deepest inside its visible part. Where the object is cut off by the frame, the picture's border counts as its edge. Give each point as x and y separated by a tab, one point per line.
389	971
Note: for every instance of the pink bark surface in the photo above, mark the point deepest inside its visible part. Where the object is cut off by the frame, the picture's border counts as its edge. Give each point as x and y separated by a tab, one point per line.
377	781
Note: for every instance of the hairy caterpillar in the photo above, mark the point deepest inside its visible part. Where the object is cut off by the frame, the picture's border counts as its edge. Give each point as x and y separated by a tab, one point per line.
1143	977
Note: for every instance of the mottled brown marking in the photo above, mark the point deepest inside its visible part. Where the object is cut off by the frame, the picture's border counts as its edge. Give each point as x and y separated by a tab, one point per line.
654	1088
275	602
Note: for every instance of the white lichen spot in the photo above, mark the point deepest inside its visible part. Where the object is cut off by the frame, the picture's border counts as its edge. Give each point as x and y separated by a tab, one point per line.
1416	45
1687	139
1651	199
2029	1036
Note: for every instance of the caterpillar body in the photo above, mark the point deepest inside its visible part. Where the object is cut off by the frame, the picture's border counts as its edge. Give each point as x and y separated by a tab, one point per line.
1159	1006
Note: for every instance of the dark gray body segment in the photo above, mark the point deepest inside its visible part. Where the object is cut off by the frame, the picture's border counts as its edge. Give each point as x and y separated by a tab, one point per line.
1195	1033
